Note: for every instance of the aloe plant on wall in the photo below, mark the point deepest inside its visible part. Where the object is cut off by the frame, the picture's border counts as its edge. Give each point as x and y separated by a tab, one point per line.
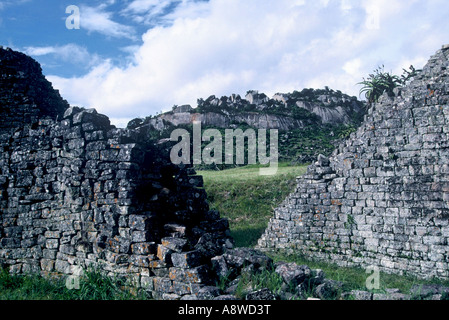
380	82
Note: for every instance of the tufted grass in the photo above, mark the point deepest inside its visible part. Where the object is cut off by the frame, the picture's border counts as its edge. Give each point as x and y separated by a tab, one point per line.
93	285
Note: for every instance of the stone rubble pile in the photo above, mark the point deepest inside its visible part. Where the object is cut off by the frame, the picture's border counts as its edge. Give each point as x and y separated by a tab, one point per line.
299	282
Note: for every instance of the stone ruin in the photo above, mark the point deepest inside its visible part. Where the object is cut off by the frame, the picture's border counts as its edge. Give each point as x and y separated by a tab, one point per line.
76	192
26	96
382	198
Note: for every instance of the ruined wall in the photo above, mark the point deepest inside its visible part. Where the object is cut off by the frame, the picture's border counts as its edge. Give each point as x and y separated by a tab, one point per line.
382	198
25	95
76	192
79	192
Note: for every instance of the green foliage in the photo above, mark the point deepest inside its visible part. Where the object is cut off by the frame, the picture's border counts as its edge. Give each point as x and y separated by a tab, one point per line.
93	285
312	141
9	281
351	222
96	285
266	278
303	114
408	75
378	83
346	132
30	287
381	81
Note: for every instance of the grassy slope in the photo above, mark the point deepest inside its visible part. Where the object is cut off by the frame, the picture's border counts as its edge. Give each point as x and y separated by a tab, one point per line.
247	199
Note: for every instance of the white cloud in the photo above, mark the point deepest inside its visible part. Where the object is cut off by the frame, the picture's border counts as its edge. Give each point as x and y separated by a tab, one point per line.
6	3
70	53
96	19
162	12
231	46
145	6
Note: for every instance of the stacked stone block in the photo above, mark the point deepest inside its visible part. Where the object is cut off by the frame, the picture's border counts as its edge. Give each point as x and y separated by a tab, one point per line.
25	95
382	198
79	193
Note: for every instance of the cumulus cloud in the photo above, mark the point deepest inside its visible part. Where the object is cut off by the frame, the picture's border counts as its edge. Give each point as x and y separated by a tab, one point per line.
231	46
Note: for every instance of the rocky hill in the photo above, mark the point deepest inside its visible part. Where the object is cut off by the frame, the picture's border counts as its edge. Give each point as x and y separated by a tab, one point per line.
283	111
310	122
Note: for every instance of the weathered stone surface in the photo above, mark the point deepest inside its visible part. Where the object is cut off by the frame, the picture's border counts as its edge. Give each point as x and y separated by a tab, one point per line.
189	297
194	275
358	295
292	274
144	248
219	266
174	244
240	257
375	200
25	95
226	297
429	291
212	244
208	293
330	289
392	296
189	259
262	294
76	191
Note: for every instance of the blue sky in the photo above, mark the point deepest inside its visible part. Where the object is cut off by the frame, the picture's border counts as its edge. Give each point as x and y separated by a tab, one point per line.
134	58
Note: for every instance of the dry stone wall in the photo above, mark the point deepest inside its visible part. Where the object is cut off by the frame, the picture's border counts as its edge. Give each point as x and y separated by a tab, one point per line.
80	193
76	192
382	197
25	95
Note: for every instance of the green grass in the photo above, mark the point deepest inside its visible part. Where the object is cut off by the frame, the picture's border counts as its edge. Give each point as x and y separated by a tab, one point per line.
30	287
93	285
355	278
248	199
352	278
